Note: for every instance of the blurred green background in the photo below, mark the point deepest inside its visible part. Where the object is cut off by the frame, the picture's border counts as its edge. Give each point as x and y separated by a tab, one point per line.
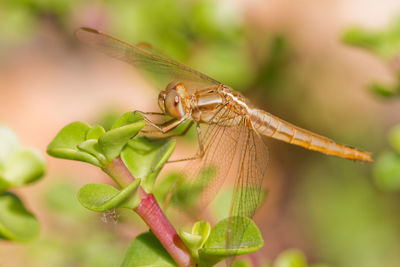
332	68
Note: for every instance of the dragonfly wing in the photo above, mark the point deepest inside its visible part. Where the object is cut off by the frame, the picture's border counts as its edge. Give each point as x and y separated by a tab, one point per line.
207	174
253	158
143	57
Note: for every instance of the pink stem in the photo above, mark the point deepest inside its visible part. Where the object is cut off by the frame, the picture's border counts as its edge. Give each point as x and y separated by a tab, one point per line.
152	215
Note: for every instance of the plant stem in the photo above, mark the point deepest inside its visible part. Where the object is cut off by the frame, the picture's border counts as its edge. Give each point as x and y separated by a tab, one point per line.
152	215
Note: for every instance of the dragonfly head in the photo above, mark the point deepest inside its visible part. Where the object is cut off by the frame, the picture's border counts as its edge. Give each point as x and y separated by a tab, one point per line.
172	100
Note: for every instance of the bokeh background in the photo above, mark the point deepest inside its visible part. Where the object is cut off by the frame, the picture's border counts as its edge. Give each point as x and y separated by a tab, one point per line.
295	59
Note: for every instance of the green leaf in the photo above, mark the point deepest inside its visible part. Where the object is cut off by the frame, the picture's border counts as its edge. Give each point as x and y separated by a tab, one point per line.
24	166
65	144
203	230
144	158
394	138
101	197
215	249
95	132
196	239
112	142
16	223
291	258
387	172
92	147
127	118
192	242
146	250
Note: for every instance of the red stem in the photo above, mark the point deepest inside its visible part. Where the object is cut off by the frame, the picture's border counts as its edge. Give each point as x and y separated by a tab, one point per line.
152	215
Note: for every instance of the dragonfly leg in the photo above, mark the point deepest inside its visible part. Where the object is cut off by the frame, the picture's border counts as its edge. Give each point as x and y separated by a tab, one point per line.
170	125
148	113
163	135
199	154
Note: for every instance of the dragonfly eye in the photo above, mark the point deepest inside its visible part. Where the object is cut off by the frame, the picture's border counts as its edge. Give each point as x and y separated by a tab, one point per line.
161	100
177	86
173	104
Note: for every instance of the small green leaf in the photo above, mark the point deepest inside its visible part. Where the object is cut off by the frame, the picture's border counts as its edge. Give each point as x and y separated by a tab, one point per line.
16	223
387	172
144	158
291	258
146	250
394	138
112	142
92	147
127	118
195	240
65	144
202	229
95	132
24	166
102	197
192	242
215	249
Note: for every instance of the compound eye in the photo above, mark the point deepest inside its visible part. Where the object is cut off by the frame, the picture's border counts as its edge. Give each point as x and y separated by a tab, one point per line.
161	100
173	104
177	86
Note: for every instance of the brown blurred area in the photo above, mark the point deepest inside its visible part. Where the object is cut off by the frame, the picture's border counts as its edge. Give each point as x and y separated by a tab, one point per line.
50	81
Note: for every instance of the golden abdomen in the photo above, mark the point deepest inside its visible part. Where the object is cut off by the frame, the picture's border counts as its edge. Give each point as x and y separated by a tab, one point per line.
272	126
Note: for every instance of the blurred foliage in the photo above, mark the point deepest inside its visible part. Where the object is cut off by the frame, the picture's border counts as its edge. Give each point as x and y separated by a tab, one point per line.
19	166
271	72
191	31
351	223
291	258
204	34
287	258
387	167
73	236
386	45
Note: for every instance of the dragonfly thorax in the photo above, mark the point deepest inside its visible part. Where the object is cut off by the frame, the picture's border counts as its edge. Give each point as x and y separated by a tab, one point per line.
172	100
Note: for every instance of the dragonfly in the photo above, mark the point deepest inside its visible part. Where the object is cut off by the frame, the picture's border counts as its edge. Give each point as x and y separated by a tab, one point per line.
233	140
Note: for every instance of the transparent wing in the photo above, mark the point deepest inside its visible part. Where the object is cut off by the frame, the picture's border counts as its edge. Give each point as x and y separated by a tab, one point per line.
248	184
231	148
143	57
209	172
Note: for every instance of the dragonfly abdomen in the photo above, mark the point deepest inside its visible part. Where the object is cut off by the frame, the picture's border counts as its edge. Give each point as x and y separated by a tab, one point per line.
272	126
